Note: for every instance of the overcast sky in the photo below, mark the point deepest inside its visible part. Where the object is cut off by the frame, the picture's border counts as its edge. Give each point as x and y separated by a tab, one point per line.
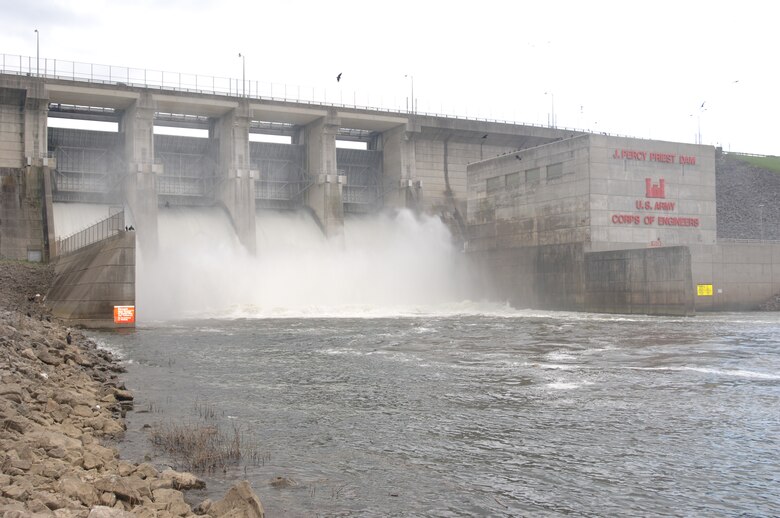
633	68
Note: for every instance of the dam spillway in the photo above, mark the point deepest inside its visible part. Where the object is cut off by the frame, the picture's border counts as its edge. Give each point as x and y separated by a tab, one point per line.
554	218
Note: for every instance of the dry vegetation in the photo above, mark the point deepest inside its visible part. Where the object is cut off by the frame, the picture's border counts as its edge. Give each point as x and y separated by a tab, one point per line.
206	447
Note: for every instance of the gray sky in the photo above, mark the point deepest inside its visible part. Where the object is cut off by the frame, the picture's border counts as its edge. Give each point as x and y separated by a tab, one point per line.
634	68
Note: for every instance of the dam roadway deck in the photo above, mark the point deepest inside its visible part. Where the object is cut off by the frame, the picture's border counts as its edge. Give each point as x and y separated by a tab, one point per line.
410	159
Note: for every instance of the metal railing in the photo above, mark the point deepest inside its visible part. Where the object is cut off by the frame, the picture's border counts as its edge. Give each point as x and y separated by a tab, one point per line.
745	154
197	83
101	230
182	185
362	194
281	190
745	240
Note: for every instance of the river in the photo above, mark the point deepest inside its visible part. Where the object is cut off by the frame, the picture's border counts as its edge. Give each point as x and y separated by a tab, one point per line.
476	410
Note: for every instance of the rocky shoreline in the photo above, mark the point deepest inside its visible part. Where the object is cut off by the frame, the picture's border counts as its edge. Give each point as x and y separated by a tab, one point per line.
62	404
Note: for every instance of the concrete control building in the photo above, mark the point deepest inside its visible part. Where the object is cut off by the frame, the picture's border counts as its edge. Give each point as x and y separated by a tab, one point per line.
612	224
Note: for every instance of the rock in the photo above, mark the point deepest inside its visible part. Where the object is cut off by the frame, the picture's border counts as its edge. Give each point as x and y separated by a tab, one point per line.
102	511
57	453
106	454
161	483
17	424
64	397
183	480
91	461
53	469
49	439
146	470
125	468
74	487
82	411
9	510
37	507
16	492
48	358
108	499
747	205
123	395
113	428
50	500
119	486
11	391
203	507
282	482
173	501
239	501
140	485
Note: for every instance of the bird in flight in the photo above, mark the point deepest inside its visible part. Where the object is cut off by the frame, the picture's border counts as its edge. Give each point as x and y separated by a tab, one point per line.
338	77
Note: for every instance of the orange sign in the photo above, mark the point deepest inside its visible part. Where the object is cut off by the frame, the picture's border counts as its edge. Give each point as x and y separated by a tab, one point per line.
124	314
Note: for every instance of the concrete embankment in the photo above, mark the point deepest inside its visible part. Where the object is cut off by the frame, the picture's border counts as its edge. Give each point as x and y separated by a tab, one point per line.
61	406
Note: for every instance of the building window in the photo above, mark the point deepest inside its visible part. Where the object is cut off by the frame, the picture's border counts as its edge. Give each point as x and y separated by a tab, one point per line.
532	175
554	171
513	181
495	184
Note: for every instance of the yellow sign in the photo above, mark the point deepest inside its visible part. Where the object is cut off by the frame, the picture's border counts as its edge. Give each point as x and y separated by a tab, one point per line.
124	314
704	290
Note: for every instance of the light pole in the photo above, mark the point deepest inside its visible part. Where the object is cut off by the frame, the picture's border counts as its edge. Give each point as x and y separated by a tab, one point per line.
37	54
412	78
552	108
243	74
701	109
761	219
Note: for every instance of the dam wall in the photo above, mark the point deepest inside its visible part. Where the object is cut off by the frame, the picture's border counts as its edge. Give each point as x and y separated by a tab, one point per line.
25	188
411	160
651	281
90	281
742	274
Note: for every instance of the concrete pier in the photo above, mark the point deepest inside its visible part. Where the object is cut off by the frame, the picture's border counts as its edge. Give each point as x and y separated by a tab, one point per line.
324	195
403	188
26	229
235	184
140	182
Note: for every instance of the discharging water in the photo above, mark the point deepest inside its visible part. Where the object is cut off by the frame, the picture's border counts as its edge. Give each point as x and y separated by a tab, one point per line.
479	411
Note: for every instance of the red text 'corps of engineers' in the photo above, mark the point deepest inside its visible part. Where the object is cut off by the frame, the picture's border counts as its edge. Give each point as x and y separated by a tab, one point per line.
661	221
666	158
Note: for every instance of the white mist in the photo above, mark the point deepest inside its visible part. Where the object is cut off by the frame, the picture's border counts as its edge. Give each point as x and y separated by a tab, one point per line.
382	265
70	218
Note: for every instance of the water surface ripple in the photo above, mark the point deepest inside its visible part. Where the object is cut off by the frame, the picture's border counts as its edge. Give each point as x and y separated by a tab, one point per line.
536	414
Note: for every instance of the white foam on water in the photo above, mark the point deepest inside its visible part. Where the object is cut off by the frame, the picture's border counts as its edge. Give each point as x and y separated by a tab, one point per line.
739	373
556	366
560	385
559	356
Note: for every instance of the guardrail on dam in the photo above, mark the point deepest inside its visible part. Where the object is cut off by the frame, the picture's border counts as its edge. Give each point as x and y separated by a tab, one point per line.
111	226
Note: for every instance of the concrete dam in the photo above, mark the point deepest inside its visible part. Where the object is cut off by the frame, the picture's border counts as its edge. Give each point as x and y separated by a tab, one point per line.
549	218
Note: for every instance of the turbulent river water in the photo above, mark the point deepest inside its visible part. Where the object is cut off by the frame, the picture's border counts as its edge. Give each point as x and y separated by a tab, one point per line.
490	412
356	369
